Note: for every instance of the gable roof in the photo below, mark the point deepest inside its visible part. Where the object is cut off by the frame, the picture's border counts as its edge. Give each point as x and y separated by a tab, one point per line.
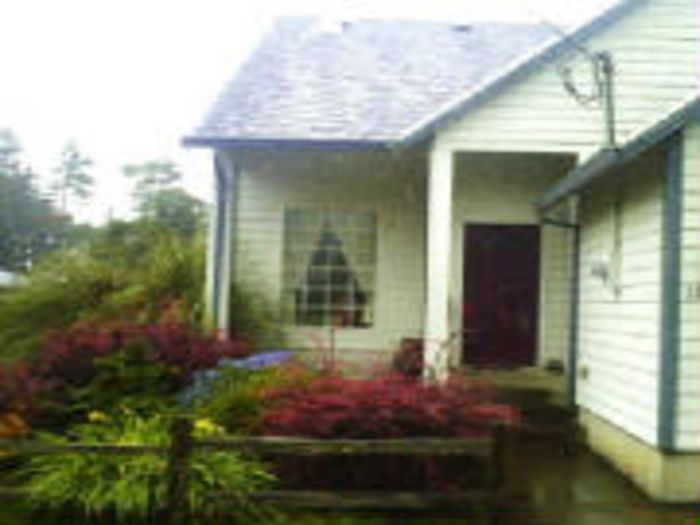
372	83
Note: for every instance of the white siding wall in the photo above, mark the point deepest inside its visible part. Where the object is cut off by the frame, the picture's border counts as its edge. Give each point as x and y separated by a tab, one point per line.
500	189
391	188
620	318
688	422
656	49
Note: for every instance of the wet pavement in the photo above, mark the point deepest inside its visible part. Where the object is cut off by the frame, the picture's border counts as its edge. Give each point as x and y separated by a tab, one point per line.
551	485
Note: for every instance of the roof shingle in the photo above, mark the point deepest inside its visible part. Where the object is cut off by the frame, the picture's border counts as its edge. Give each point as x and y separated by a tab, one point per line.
367	82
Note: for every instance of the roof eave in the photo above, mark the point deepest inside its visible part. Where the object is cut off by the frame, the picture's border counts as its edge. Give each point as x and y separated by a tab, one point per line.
605	160
195	141
522	69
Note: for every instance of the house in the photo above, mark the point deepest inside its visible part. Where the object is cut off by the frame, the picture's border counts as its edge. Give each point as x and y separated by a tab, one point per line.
511	194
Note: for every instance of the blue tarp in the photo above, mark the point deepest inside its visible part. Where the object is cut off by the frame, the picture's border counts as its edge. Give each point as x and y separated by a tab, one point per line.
203	379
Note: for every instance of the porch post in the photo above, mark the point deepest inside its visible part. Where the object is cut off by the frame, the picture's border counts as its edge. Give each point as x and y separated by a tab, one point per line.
218	278
439	232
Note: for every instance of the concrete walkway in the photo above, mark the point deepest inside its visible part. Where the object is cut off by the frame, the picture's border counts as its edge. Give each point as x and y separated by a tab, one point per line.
552	486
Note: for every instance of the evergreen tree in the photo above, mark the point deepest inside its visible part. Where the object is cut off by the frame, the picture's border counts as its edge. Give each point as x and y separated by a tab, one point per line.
29	226
159	199
74	181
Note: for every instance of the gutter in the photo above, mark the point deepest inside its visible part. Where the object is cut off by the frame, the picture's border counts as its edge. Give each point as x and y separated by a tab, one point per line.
195	141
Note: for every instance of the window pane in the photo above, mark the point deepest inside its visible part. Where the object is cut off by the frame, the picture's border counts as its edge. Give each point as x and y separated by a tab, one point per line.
329	267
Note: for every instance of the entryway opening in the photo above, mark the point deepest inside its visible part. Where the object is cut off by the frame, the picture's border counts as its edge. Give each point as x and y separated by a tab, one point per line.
501	295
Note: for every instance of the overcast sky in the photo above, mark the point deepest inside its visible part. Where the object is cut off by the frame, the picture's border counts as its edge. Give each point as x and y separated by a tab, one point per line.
126	79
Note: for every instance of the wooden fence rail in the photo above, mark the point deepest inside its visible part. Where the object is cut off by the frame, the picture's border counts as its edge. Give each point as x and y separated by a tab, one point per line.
481	447
40	448
488	448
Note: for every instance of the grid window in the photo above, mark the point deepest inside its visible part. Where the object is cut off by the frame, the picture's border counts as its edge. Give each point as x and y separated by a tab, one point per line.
329	264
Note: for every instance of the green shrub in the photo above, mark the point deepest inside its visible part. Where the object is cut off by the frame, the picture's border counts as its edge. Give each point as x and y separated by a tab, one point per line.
56	294
135	486
129	273
165	283
153	277
254	317
239	397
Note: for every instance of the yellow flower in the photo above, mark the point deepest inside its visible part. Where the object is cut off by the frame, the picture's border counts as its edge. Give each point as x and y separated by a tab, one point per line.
207	427
97	417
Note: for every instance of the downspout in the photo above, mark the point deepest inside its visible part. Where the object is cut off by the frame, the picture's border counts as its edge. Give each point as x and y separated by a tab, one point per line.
228	183
671	296
218	245
575	291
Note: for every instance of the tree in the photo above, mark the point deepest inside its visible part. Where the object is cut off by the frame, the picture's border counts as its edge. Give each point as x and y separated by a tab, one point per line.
9	151
176	210
29	226
73	181
151	177
159	200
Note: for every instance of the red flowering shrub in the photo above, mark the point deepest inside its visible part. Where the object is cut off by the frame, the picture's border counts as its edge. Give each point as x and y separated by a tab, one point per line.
384	407
88	365
387	407
70	357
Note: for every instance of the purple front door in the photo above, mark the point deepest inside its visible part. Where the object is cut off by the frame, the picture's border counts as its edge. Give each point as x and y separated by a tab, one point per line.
501	283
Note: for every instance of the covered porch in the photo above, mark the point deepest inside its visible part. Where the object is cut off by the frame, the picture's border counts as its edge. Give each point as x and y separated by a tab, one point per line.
497	278
459	256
